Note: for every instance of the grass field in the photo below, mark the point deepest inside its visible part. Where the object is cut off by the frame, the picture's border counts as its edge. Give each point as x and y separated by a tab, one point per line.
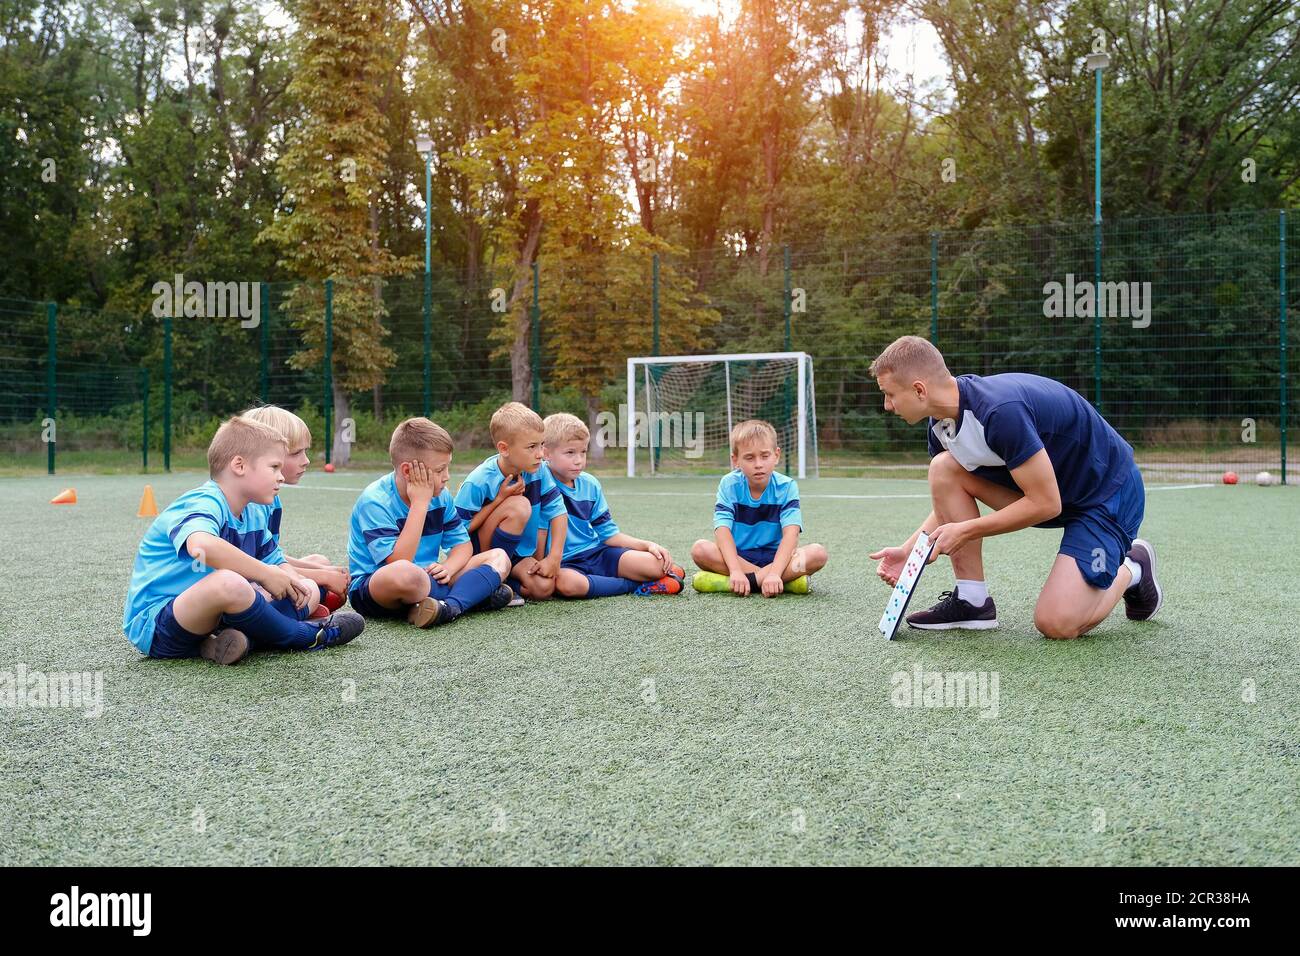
691	729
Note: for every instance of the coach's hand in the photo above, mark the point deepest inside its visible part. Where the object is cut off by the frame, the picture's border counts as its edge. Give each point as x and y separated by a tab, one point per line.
948	538
891	564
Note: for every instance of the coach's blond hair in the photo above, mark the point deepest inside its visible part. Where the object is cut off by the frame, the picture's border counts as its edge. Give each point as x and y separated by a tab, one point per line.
413	437
910	358
752	430
240	437
296	434
562	427
511	419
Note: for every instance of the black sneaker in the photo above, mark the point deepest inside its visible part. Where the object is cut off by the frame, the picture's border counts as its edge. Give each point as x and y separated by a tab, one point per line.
431	612
1143	599
499	598
337	629
952	612
226	646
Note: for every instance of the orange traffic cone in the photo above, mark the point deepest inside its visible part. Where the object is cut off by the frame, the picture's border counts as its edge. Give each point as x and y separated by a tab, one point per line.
68	496
148	507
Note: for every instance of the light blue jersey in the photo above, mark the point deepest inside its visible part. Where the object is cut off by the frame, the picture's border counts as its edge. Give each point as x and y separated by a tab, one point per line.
163	567
590	523
482	484
378	518
757	522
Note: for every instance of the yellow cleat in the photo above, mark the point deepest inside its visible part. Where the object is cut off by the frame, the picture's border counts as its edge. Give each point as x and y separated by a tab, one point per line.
706	582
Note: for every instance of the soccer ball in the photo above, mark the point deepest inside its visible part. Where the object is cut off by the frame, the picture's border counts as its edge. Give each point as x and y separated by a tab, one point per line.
1264	478
1229	477
330	467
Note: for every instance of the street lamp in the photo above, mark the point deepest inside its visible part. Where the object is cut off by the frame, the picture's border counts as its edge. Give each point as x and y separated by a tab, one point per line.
424	146
1097	63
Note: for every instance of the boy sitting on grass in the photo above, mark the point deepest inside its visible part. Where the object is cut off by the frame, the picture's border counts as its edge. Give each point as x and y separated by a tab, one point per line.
510	502
400	525
333	580
208	563
599	560
756	524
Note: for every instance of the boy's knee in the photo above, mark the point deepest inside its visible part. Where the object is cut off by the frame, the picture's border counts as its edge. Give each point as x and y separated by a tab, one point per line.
232	589
571	585
815	556
515	508
1055	626
539	588
407	575
701	550
499	562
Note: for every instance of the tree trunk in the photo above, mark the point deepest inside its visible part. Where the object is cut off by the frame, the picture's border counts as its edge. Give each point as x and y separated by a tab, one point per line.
377	401
342	450
595	450
521	370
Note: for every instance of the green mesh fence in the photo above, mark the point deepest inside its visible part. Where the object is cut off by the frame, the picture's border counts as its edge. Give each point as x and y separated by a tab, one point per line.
1192	371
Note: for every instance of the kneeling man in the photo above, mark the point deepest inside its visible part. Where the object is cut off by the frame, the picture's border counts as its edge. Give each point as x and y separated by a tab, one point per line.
1040	456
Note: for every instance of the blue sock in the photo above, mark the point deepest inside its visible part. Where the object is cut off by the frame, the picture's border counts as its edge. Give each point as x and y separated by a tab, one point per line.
506	541
474	587
599	586
286	607
267	627
323	591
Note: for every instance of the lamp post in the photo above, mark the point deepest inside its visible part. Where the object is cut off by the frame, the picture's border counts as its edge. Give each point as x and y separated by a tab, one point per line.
1097	63
424	146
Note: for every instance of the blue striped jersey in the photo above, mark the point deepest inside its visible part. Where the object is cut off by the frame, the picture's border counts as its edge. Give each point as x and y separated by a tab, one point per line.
482	484
378	518
163	567
757	522
590	523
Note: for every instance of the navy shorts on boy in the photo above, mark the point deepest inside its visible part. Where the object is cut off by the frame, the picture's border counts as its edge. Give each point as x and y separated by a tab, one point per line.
378	518
1004	420
756	523
164	569
759	556
481	486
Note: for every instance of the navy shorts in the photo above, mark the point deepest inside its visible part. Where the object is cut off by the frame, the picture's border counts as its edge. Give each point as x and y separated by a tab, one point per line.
170	640
600	560
361	601
759	556
1099	538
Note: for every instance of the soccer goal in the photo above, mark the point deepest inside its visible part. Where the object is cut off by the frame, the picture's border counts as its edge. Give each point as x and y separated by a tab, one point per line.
680	408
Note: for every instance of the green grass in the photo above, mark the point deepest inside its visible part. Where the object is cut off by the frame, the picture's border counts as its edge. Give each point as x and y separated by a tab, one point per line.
535	735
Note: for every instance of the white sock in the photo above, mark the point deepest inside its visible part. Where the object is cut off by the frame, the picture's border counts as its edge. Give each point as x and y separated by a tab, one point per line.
973	592
1135	569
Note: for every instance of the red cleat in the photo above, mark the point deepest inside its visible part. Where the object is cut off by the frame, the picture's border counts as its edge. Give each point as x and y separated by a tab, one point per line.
334	601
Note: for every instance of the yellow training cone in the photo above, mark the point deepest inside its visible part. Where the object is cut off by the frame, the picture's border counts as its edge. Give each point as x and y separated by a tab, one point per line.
148	507
68	496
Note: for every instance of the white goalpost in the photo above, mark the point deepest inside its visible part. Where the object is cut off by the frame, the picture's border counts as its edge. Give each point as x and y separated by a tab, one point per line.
682	407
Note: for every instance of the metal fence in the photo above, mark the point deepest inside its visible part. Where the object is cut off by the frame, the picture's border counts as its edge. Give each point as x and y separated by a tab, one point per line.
1192	371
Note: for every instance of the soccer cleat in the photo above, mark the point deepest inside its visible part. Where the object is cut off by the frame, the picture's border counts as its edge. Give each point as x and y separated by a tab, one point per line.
953	613
337	629
516	600
707	582
431	612
668	584
226	646
1143	599
800	585
678	572
503	596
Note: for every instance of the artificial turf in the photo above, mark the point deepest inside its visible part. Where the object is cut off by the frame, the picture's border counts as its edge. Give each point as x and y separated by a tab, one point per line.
690	729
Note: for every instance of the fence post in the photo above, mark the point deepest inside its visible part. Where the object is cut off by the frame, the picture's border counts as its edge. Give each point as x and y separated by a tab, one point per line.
329	369
428	343
51	380
787	399
536	324
934	288
167	394
786	257
1096	321
144	408
654	304
1282	357
264	369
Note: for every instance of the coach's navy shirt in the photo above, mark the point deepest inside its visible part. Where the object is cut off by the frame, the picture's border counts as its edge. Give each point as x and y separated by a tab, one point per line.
1003	421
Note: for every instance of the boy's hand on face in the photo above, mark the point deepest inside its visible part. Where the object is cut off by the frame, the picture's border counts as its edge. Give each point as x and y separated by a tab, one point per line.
438	573
771	582
513	485
891	564
661	554
419	484
739	583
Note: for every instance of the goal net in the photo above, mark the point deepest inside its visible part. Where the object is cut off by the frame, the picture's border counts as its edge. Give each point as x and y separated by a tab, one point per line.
681	408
